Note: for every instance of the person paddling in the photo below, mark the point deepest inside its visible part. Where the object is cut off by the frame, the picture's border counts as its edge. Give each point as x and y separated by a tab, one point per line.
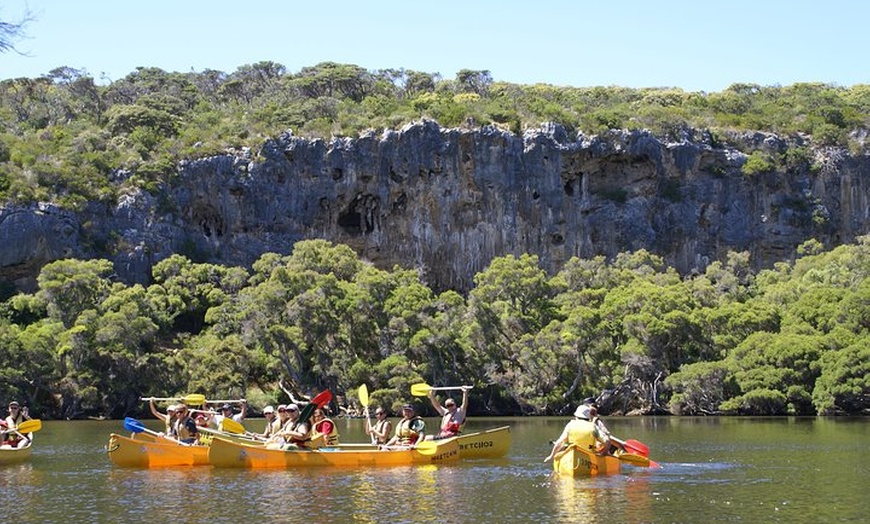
381	429
410	430
580	432
17	415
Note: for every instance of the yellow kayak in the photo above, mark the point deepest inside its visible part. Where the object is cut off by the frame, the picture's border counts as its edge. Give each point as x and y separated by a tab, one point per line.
579	462
156	453
492	443
10	455
228	454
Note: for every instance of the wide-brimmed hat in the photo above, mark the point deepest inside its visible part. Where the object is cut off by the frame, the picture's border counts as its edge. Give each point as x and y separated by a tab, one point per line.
583	411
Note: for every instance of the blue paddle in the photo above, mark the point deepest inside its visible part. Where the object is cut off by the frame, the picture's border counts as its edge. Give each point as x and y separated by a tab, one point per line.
134	426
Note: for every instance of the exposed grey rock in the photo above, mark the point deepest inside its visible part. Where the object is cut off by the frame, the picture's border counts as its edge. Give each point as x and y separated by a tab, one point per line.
448	201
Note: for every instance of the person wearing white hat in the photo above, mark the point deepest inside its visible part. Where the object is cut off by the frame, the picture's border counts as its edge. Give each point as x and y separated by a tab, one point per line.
273	423
580	432
168	418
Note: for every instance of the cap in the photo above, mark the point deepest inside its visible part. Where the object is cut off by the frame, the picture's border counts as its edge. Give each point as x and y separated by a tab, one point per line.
408	406
583	411
13	403
268	409
171	407
226	406
292	407
200	417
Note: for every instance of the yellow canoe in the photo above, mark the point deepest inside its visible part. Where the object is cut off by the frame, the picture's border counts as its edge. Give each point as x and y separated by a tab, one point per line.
10	455
579	462
492	443
228	454
159	453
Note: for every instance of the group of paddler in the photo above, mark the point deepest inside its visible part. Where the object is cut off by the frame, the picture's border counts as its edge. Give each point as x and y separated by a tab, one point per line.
305	425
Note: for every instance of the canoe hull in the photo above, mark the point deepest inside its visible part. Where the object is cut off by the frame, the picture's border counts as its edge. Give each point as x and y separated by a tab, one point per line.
227	454
139	453
577	462
15	455
492	443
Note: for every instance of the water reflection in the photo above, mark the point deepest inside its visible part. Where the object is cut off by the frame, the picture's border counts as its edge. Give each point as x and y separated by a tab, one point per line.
616	498
758	470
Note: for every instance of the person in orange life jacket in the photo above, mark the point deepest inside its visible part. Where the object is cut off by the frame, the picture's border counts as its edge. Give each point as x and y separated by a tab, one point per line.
17	415
452	417
184	428
382	427
580	432
410	430
294	432
324	426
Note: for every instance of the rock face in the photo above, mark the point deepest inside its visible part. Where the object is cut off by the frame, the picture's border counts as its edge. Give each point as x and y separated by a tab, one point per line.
448	201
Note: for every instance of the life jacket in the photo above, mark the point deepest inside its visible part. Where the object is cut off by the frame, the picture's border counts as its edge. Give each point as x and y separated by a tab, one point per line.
293	426
185	430
380	426
581	433
332	436
408	430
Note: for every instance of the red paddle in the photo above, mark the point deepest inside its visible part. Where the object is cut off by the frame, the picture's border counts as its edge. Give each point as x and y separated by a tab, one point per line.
633	446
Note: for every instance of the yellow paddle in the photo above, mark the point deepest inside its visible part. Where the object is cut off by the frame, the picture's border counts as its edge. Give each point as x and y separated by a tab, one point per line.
193	399
427	448
231	426
364	400
29	426
422	389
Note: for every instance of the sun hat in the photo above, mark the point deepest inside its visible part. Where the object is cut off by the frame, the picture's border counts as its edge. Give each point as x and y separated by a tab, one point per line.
292	407
583	411
268	409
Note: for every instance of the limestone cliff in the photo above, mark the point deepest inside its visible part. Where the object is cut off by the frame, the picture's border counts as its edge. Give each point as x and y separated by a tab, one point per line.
448	200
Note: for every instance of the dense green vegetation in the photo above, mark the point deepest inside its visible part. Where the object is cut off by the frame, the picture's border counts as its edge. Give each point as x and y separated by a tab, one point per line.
789	340
792	339
69	139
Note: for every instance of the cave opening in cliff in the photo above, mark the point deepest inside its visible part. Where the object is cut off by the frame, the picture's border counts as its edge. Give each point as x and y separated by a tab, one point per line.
358	218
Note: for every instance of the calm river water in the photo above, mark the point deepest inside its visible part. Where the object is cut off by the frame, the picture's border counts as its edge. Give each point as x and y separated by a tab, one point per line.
713	470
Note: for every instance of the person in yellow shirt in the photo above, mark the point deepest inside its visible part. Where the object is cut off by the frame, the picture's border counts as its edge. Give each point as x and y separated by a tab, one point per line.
581	432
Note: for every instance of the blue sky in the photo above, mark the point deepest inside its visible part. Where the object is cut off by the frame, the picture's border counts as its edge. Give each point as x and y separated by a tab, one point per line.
694	45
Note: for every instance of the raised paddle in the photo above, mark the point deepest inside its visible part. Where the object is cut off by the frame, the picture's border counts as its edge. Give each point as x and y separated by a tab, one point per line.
422	389
321	399
134	426
239	401
194	399
364	400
